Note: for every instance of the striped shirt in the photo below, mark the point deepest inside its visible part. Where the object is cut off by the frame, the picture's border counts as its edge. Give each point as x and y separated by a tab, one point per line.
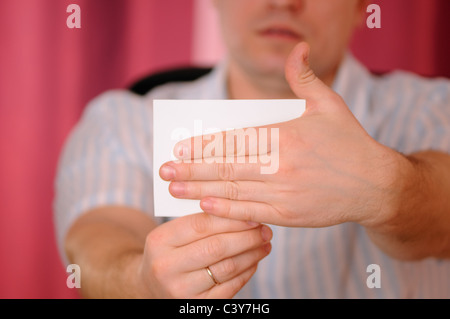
108	161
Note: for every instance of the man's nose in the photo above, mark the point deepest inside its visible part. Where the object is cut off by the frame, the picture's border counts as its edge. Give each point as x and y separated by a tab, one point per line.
286	4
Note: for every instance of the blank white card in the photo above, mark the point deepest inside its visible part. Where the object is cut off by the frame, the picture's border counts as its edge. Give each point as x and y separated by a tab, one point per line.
175	120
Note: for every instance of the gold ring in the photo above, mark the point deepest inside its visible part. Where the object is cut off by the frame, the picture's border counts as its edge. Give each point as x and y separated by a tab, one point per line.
211	275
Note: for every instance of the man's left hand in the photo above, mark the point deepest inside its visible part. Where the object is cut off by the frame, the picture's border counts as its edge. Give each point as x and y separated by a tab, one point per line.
330	170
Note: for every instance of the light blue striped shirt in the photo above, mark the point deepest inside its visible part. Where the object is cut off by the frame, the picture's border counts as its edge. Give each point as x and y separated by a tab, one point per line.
108	161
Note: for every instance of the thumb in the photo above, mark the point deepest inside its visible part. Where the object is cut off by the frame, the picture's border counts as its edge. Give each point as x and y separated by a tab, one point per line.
304	83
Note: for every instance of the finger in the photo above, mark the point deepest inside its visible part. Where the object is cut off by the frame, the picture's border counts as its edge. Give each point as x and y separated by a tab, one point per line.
229	288
187	229
213	249
239	190
224	171
240	210
305	84
250	141
229	268
226	269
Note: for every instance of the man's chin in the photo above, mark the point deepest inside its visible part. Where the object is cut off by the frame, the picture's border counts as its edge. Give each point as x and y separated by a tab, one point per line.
274	67
267	66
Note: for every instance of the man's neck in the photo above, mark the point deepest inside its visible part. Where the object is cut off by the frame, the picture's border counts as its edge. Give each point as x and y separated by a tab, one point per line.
243	85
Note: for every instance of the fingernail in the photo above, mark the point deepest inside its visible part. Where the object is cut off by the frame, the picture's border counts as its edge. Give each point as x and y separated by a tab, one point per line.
253	224
266	233
267	247
207	205
177	189
167	172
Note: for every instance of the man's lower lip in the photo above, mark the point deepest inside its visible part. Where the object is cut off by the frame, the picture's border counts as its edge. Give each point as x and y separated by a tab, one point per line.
280	36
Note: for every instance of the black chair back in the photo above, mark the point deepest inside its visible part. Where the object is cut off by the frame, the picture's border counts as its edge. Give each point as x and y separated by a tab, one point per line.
186	74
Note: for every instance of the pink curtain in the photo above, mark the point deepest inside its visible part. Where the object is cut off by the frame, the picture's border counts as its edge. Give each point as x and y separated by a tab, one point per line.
49	72
47	75
414	36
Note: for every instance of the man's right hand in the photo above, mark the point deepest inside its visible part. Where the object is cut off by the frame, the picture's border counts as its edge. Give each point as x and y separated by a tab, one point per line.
177	253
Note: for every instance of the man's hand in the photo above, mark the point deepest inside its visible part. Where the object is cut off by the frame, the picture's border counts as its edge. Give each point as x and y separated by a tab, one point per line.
177	253
330	170
123	253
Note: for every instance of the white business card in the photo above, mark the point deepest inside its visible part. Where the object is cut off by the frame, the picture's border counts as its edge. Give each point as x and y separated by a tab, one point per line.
175	120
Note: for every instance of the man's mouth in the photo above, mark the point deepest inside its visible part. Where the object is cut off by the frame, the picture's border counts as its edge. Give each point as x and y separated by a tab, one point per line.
281	33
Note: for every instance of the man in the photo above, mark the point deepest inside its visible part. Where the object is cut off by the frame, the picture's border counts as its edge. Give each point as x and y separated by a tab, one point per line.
344	198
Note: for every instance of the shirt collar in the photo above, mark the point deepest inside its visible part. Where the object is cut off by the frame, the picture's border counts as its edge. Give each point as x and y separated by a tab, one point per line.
352	83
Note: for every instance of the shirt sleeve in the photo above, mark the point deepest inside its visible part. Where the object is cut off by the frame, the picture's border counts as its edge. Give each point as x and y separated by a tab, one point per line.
107	160
432	126
415	113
